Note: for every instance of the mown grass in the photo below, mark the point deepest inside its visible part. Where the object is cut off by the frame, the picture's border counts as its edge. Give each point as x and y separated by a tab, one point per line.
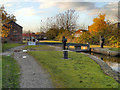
78	72
7	46
40	47
10	72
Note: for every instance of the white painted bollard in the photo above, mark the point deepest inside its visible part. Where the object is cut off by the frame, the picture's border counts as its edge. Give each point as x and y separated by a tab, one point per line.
24	57
24	50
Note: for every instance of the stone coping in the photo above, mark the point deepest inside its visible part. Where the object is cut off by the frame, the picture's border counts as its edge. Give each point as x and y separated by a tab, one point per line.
65	50
105	51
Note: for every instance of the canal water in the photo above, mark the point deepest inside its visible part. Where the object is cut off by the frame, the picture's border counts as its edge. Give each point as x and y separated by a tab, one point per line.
113	62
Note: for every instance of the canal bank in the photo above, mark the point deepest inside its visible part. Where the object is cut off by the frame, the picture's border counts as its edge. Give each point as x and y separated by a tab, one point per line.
105	51
108	60
105	67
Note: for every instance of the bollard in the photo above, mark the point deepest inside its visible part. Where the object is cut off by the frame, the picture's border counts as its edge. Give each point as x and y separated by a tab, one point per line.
65	52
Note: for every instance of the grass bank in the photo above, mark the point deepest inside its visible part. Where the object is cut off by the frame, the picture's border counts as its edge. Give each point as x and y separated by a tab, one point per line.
10	72
40	47
7	46
78	72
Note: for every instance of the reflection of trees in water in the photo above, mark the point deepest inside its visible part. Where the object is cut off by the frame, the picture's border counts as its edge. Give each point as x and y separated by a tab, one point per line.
112	64
112	59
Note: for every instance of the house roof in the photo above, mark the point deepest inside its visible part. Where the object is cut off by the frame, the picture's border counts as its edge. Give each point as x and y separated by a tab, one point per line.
80	31
5	25
14	23
28	34
118	24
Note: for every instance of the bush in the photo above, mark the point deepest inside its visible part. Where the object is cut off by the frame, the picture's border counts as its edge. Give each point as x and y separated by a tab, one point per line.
66	33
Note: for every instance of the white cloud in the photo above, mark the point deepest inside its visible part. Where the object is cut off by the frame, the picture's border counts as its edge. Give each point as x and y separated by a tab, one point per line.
8	5
42	12
29	11
76	5
47	4
111	11
25	11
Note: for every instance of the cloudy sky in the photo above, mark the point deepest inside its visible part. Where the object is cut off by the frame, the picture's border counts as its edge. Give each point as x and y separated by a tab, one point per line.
29	13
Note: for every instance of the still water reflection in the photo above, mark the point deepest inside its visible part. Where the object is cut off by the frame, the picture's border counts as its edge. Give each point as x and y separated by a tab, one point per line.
113	62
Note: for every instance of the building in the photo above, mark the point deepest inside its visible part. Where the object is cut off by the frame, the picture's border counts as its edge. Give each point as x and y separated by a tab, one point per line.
79	32
28	36
116	25
15	33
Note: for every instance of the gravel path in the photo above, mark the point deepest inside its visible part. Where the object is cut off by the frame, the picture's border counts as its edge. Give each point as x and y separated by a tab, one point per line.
32	74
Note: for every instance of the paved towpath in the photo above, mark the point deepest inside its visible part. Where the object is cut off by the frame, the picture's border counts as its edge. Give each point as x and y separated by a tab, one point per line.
32	75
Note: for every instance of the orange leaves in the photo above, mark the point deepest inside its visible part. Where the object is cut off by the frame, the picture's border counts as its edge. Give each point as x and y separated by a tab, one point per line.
98	24
5	30
37	33
5	19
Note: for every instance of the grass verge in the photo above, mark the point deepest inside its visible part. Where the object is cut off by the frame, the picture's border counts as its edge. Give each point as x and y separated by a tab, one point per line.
7	46
78	72
10	72
40	47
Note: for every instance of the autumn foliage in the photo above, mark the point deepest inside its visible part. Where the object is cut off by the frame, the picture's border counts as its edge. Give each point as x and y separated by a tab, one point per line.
6	18
98	24
5	30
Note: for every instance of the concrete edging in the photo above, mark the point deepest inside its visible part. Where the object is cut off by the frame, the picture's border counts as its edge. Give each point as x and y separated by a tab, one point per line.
105	51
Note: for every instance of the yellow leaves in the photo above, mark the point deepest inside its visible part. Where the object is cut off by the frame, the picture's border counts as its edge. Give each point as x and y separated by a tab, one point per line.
37	33
5	30
98	24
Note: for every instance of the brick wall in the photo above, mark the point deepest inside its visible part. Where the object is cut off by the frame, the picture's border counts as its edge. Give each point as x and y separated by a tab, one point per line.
15	34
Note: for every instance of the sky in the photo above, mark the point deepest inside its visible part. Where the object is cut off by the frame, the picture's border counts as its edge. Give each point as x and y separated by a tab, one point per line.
29	13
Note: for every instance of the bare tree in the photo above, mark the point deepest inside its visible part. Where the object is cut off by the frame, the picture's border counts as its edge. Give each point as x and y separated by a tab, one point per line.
67	20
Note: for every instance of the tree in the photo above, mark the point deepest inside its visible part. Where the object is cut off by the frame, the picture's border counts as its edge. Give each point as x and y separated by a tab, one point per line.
114	34
67	20
66	33
52	33
98	28
84	38
98	25
5	19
